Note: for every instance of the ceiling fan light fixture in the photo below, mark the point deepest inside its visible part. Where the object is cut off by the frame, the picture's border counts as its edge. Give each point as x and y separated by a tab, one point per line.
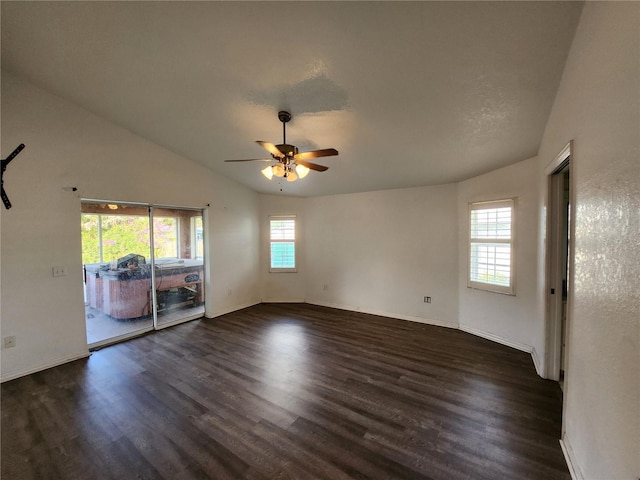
287	157
302	171
278	170
268	172
292	176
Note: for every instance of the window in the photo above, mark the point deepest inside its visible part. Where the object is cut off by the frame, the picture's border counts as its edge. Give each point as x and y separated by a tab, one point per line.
491	246
197	237
282	249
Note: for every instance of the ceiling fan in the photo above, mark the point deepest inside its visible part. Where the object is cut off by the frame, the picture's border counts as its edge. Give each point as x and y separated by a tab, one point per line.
291	164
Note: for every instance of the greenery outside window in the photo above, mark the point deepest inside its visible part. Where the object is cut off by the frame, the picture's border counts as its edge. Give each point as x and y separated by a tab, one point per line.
491	246
108	237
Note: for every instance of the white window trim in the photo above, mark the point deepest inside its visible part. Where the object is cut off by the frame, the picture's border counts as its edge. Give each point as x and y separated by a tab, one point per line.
489	287
295	242
194	237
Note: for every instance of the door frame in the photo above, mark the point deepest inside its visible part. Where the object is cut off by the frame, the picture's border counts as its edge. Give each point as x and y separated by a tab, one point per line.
553	274
155	325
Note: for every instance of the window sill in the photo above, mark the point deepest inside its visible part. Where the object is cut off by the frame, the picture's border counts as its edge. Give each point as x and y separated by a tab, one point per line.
492	289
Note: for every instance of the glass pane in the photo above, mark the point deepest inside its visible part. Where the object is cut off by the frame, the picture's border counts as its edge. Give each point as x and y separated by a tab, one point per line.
490	263
122	235
165	237
491	223
197	237
283	229
179	264
90	238
283	255
117	272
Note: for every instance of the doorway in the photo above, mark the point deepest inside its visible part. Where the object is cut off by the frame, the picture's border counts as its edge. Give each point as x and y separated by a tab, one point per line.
559	263
143	268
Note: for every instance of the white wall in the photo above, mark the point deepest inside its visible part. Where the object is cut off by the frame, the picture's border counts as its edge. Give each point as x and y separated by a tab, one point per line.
283	286
512	320
382	252
597	106
378	252
67	146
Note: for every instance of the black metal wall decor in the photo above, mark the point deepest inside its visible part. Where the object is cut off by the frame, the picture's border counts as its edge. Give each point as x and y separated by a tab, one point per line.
5	162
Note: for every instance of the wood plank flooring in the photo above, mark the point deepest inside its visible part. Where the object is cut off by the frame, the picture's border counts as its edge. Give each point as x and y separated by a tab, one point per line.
287	391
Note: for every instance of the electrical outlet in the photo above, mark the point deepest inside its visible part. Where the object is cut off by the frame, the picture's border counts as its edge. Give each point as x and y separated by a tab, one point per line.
427	299
59	271
326	287
9	342
229	292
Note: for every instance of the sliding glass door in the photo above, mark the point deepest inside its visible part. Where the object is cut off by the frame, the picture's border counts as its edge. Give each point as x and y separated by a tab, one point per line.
143	268
179	265
116	257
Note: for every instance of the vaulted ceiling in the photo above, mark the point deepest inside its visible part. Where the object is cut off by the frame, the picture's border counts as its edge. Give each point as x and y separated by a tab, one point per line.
410	93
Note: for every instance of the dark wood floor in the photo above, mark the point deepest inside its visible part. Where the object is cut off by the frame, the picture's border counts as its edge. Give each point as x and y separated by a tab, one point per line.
287	391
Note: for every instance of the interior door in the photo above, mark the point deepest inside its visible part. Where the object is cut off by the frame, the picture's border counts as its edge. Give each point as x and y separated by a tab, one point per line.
559	264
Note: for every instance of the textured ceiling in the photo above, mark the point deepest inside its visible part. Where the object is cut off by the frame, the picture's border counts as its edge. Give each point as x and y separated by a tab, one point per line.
410	93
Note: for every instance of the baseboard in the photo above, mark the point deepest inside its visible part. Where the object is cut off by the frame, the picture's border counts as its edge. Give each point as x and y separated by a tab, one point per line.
382	313
283	300
44	366
465	328
85	354
411	318
536	362
235	308
498	339
570	458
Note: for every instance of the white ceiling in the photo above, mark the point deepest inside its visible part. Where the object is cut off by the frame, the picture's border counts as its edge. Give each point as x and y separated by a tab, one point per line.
410	93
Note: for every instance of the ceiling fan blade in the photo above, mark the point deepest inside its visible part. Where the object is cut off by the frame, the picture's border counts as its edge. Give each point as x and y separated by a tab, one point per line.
312	166
271	148
252	160
327	152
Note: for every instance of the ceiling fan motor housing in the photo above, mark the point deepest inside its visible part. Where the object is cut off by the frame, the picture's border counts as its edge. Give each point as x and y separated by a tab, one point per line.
287	150
288	164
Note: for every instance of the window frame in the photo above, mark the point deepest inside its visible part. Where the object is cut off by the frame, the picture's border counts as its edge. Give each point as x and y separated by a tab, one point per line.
511	242
294	241
197	244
